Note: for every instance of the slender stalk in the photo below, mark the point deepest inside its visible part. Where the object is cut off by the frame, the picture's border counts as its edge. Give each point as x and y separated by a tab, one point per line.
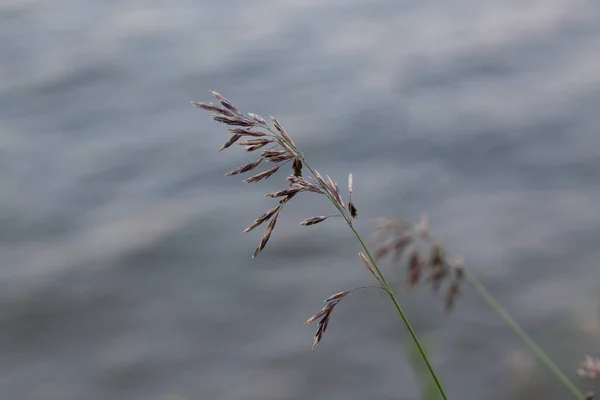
537	350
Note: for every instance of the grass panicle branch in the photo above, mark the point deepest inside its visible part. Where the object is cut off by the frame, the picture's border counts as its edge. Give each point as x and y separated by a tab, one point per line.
325	314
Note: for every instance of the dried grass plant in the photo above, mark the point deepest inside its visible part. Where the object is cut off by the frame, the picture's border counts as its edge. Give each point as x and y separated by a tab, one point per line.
413	245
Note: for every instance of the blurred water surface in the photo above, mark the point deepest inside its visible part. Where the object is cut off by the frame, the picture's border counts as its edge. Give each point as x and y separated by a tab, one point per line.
124	273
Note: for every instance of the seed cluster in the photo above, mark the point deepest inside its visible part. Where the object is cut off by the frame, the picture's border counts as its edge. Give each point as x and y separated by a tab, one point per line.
254	133
325	316
277	147
403	240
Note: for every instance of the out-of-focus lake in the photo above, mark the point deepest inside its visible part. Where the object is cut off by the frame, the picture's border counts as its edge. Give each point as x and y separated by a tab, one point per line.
123	270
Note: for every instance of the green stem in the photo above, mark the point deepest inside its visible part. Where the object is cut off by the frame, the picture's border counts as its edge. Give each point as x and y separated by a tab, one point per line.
541	354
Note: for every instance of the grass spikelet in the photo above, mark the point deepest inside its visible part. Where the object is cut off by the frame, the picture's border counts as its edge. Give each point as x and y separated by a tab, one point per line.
262	175
335	191
247	132
263	218
297	167
254	142
286	192
212	108
226	103
258	119
282	131
266	237
369	266
244	168
231	141
325	316
313	220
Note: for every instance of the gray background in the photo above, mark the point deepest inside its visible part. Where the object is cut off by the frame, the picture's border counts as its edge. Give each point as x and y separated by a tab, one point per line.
125	275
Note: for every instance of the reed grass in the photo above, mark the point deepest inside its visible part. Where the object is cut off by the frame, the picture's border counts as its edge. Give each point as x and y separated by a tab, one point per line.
425	258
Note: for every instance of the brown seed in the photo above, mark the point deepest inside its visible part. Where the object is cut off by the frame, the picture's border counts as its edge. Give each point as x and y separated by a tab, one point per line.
247	132
244	168
262	175
285	192
256	146
253	142
304	184
353	210
273	153
212	108
282	131
325	315
315	317
263	218
287	198
226	103
266	237
231	141
233	121
285	145
336	296
322	327
335	191
313	220
277	159
369	265
297	167
320	180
